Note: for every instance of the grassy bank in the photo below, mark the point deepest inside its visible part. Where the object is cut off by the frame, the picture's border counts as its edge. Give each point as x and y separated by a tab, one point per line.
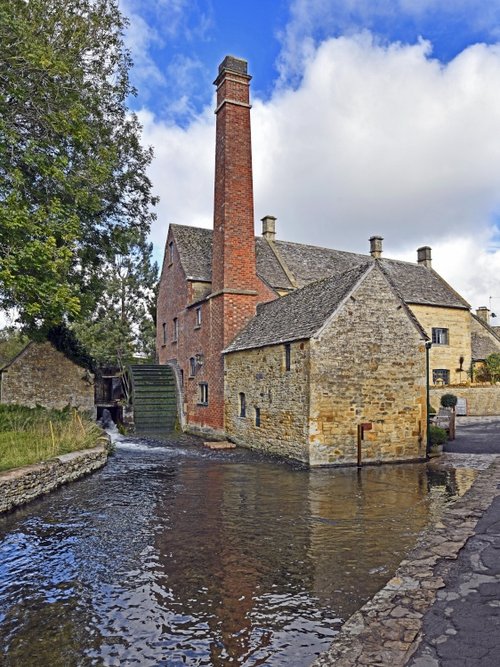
30	435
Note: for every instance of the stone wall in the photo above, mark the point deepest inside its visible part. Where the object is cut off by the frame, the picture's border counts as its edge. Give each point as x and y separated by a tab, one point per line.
282	397
368	367
481	400
41	375
458	323
21	485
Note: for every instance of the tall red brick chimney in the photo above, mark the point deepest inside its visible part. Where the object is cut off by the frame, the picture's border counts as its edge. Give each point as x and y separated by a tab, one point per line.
233	252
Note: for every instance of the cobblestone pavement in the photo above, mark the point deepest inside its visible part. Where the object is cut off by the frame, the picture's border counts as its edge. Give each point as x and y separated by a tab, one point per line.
442	608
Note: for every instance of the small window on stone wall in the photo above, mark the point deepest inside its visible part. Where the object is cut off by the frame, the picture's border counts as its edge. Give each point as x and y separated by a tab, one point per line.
176	329
288	356
198	317
243	405
257	416
440	376
171	252
440	336
164	330
192	367
203	393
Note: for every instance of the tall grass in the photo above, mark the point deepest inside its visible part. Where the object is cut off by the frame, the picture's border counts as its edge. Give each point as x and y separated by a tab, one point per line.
30	435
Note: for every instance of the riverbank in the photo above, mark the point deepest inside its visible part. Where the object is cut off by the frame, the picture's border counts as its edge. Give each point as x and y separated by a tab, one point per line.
22	485
388	629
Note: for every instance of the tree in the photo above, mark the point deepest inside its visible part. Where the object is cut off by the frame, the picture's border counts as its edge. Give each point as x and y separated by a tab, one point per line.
73	185
122	326
12	341
492	363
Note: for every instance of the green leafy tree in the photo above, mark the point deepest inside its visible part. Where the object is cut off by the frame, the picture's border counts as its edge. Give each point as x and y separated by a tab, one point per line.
492	363
12	341
122	326
73	183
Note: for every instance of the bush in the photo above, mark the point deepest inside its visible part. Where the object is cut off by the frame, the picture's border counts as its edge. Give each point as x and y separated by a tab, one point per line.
438	435
448	400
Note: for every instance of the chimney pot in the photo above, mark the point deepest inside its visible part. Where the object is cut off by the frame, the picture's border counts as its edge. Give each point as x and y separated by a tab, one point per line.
424	256
484	314
269	227
376	246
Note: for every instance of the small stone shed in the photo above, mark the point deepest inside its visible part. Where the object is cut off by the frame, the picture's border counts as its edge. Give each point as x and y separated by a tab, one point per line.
332	374
41	375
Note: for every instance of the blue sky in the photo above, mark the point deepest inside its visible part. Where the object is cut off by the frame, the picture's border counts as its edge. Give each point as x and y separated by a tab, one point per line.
369	117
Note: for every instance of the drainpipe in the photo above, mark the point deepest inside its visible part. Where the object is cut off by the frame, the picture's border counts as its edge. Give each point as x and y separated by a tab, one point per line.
428	345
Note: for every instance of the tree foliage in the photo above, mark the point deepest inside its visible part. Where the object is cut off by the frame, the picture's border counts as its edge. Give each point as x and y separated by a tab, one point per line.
492	363
73	185
122	326
12	341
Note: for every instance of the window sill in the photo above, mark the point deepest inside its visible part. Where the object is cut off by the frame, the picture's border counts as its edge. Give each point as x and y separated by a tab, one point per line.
198	326
174	342
202	405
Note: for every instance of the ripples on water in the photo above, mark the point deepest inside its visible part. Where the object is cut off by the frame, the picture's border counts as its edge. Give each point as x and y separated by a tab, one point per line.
176	555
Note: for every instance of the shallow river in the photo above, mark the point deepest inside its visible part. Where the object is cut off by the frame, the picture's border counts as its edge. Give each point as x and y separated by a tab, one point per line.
176	555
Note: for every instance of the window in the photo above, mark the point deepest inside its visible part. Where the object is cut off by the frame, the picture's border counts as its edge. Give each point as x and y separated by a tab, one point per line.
192	367
203	393
439	336
198	317
164	330
176	329
171	252
243	405
257	416
441	376
288	356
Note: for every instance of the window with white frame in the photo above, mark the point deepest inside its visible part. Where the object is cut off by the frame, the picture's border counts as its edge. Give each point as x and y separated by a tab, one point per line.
440	336
203	393
440	376
198	317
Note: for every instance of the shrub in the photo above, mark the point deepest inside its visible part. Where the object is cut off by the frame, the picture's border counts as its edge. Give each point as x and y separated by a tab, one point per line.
437	435
448	400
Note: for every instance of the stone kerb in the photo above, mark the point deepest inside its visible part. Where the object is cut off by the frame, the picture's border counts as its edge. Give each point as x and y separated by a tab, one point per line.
21	485
387	629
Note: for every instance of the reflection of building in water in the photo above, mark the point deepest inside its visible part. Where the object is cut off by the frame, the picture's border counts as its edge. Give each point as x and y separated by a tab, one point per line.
362	524
333	536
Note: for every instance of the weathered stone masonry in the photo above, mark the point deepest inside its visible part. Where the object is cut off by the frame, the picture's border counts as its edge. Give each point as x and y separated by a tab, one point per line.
22	485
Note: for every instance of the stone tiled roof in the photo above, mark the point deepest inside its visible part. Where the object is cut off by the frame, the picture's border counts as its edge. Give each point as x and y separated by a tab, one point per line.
415	283
485	340
297	315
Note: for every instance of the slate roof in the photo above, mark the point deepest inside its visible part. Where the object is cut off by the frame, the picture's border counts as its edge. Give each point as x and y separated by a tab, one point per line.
297	315
483	340
416	284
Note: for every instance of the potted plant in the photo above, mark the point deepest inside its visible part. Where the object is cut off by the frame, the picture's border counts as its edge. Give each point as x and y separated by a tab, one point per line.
437	439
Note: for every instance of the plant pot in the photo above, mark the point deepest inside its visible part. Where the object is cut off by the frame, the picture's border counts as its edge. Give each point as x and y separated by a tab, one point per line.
435	450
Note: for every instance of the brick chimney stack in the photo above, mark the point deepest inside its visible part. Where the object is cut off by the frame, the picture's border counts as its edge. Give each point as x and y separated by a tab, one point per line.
424	256
376	246
233	258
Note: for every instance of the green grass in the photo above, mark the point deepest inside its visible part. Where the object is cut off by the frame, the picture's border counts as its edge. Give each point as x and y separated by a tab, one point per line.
30	435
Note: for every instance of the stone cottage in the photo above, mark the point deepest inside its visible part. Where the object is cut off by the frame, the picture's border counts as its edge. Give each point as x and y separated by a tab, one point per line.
41	375
214	288
333	373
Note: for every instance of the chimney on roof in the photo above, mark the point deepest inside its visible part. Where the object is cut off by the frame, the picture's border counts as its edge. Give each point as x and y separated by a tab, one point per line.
376	246
424	256
484	314
233	258
269	227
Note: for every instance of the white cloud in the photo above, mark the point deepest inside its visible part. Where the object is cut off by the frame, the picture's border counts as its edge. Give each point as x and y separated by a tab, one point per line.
375	140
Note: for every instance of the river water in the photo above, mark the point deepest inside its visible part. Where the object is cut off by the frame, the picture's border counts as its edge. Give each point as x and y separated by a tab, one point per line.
177	555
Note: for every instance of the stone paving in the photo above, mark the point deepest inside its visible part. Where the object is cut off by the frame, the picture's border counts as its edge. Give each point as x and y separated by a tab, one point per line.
435	607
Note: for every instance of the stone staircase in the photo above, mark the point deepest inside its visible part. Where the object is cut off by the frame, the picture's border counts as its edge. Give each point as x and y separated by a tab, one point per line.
154	398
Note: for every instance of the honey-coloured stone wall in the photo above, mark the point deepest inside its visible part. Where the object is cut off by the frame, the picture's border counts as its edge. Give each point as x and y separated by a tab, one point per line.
482	401
458	323
281	395
41	375
368	367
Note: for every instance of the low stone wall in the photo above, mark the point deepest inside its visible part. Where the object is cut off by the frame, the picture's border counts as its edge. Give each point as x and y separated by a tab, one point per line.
482	401
21	485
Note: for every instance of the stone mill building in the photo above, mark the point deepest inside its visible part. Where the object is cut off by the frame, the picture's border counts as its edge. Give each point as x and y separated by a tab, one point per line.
310	353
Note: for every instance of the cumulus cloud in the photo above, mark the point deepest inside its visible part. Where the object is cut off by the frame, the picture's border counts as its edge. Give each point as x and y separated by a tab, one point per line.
377	139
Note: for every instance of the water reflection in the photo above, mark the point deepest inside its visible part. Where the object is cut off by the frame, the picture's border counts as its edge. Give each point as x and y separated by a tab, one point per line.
176	555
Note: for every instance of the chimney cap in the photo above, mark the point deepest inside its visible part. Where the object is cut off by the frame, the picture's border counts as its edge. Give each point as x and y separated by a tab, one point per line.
234	64
269	227
424	256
